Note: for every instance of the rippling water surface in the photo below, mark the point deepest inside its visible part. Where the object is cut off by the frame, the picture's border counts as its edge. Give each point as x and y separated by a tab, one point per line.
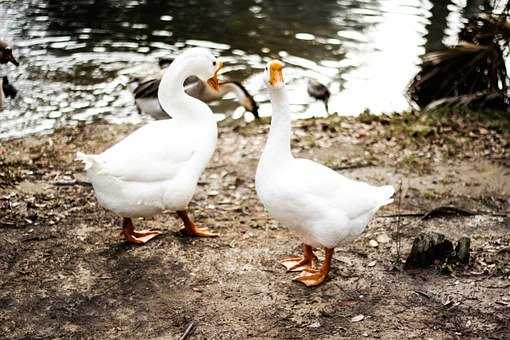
77	56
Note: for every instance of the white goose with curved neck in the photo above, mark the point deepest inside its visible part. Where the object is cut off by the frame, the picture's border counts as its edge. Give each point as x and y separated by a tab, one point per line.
175	100
157	167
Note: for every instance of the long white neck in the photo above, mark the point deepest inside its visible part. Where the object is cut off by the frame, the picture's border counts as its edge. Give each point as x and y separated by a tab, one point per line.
174	100
278	142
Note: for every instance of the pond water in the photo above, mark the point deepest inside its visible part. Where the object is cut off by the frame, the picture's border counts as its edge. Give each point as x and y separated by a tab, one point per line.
77	56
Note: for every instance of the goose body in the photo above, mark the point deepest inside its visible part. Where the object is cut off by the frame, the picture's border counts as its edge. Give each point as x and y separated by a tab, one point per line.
322	206
137	177
157	167
146	89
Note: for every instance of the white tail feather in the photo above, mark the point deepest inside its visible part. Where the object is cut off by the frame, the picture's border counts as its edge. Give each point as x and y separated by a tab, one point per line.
387	192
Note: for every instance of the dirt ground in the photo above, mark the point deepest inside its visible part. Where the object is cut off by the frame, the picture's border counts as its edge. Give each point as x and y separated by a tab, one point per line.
66	272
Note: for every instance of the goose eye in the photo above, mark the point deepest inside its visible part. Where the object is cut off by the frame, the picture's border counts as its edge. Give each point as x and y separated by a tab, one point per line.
214	63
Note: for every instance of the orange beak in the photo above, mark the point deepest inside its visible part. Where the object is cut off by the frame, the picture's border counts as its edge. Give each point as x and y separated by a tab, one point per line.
275	72
213	81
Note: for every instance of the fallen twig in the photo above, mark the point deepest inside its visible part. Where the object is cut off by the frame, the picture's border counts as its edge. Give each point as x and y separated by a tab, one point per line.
7	240
420	214
72	183
498	287
399	222
504	250
352	166
446	211
188	331
216	166
268	270
38	238
7	224
422	294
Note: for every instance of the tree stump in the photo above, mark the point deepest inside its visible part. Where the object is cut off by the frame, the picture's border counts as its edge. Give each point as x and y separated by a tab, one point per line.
428	248
462	250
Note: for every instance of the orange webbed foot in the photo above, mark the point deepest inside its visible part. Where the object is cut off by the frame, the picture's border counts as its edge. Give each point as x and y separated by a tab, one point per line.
190	229
136	237
311	277
298	263
198	232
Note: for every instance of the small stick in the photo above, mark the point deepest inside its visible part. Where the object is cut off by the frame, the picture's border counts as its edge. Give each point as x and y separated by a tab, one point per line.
402	215
352	166
72	183
446	210
422	294
188	331
399	221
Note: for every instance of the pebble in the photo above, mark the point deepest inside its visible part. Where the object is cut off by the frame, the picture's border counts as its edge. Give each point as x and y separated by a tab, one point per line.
373	243
383	238
357	318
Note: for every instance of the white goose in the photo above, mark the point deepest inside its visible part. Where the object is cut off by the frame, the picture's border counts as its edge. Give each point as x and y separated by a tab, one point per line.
157	167
321	205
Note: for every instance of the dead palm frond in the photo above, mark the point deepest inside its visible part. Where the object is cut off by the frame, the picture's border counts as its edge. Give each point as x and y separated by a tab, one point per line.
497	100
469	72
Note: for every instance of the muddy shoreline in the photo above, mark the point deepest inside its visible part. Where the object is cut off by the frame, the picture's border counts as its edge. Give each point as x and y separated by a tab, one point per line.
67	273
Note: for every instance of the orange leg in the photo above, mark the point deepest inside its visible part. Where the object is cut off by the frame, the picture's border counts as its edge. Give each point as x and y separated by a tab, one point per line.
299	263
190	229
136	237
314	277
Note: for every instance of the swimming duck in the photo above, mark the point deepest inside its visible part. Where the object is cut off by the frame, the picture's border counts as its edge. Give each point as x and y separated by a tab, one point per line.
157	167
318	91
322	206
6	54
146	89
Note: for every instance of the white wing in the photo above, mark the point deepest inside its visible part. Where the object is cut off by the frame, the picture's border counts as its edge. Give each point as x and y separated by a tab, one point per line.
339	192
156	151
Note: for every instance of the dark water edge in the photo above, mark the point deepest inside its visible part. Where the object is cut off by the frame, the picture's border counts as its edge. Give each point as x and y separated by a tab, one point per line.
79	56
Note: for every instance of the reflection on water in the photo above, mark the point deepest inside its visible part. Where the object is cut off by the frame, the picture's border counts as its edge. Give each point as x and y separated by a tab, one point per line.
77	55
